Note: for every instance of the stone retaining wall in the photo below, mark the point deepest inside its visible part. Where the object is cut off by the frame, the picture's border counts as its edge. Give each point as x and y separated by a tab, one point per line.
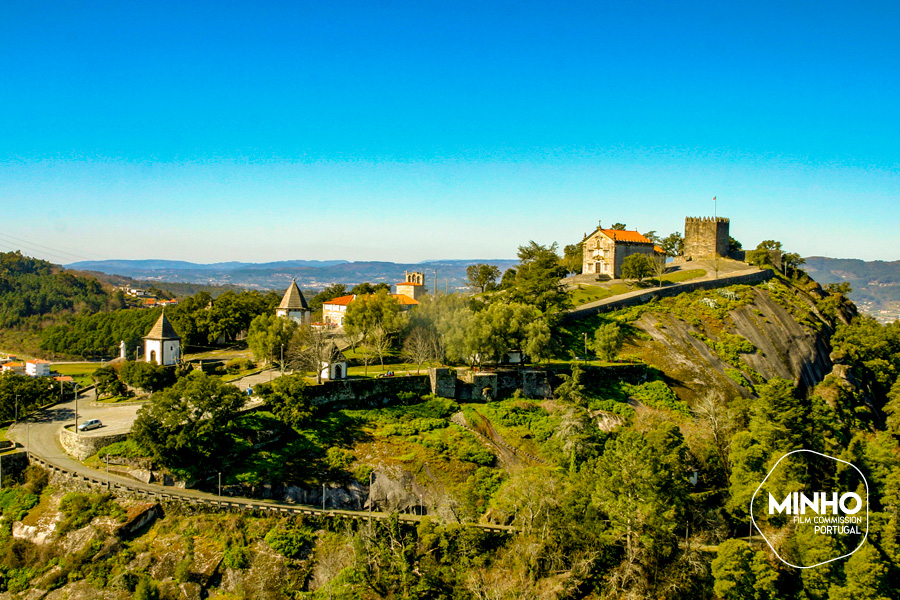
665	292
81	445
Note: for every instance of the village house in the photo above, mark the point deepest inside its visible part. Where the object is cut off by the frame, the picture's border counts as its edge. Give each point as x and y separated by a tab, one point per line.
334	310
605	250
37	368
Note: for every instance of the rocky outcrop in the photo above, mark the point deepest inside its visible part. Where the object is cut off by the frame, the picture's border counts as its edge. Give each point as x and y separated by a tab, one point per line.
787	345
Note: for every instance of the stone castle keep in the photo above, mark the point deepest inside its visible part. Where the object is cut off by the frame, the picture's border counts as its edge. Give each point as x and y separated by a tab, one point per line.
705	237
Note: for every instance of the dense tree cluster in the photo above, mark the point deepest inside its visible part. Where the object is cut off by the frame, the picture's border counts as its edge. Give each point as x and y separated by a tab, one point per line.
32	288
200	320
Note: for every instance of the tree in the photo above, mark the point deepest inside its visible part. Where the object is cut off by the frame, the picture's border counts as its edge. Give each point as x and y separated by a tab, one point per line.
573	257
607	341
637	266
369	311
482	276
659	268
362	289
286	398
741	573
187	425
419	346
673	244
734	245
538	279
380	342
107	382
331	292
651	235
641	494
792	261
490	334
619	226
311	349
508	280
149	377
267	336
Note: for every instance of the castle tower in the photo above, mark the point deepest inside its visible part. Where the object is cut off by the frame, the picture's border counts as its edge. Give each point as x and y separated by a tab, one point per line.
414	286
293	305
705	237
162	345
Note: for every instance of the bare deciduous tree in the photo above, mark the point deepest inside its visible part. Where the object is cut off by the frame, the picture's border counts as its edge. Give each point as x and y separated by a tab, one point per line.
419	347
311	349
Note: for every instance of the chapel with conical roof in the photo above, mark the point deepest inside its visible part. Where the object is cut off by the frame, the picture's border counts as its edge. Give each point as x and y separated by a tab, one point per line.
162	345
293	305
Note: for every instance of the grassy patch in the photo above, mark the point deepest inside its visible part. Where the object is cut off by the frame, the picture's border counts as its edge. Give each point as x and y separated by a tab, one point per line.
589	293
679	276
80	372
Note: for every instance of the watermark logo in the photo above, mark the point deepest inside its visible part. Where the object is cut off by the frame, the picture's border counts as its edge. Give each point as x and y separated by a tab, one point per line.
814	526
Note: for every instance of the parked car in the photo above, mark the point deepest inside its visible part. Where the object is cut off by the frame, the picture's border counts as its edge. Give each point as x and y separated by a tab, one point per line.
90	424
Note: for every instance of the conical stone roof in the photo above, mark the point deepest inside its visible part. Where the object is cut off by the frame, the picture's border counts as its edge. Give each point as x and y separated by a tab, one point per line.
293	298
163	330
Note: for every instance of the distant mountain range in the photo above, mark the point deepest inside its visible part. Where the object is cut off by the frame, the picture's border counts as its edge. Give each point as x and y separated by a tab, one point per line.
310	274
876	284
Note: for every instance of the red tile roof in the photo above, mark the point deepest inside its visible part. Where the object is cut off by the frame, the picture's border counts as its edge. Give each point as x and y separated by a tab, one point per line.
405	300
408	283
341	300
621	235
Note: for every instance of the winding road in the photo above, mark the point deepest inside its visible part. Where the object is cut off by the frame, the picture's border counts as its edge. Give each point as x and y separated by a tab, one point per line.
39	434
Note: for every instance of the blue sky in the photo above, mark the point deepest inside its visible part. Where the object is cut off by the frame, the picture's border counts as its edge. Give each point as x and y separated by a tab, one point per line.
415	130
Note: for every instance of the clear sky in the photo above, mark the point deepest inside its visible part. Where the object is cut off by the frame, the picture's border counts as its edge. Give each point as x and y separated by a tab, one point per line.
405	131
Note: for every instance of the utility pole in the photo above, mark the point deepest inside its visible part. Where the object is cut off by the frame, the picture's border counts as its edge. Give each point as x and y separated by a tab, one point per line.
323	496
220	489
76	413
107	470
435	282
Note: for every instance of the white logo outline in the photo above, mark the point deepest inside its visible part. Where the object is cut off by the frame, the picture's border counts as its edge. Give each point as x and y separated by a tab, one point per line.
753	499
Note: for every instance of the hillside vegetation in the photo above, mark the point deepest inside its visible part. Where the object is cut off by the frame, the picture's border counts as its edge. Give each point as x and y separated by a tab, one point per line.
618	489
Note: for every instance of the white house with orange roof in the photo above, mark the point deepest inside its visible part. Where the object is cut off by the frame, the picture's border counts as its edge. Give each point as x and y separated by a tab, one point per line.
334	310
605	250
12	367
37	368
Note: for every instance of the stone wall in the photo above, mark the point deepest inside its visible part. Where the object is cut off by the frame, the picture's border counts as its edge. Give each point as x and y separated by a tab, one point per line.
665	292
705	237
81	445
367	393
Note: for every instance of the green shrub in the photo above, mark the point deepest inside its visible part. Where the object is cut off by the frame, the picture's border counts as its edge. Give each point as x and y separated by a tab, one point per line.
737	377
466	447
237	557
613	406
125	449
656	394
290	542
80	509
146	590
339	459
16	502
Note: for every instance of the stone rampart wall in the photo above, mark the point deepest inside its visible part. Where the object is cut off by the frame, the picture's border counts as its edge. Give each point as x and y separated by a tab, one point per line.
666	292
